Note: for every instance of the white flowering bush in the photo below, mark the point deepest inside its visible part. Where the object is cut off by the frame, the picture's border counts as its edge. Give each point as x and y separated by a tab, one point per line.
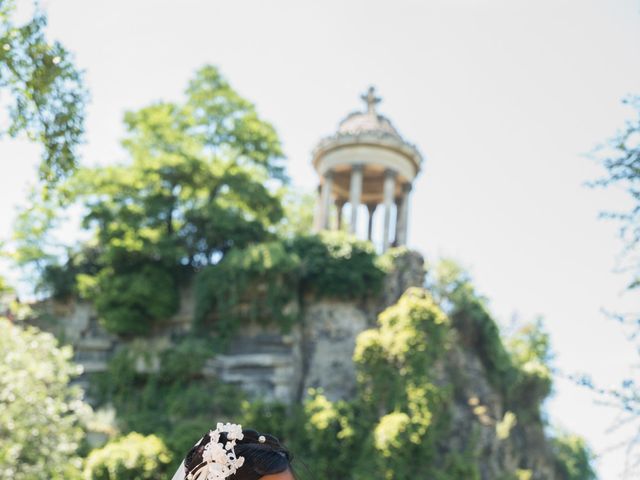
40	413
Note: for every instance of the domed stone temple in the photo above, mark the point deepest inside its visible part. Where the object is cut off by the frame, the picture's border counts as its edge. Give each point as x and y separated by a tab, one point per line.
364	165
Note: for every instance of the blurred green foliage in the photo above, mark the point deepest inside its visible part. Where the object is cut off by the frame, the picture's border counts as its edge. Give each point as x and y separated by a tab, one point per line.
132	457
266	282
573	457
520	369
45	91
205	177
166	393
41	415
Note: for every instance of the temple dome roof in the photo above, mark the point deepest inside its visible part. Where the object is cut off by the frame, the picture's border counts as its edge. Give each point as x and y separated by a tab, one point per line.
369	130
367	122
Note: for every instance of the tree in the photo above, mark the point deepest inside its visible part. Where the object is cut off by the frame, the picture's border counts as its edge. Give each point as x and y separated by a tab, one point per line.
40	413
45	90
299	212
621	159
205	177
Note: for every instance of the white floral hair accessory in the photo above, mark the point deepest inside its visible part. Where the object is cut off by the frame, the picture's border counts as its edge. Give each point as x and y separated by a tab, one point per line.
219	460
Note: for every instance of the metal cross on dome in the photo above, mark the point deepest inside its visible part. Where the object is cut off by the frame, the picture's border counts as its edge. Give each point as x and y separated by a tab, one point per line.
371	99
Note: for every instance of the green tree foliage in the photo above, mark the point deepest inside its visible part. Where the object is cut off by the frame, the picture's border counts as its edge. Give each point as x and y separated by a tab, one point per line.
31	232
254	283
40	413
395	364
132	457
337	265
471	317
204	178
44	88
259	282
573	458
299	208
46	263
530	354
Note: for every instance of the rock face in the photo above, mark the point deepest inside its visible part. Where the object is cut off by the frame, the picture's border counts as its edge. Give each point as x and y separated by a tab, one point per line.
483	426
75	323
331	329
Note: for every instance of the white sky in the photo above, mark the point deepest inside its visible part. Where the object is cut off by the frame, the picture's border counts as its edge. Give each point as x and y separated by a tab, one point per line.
503	97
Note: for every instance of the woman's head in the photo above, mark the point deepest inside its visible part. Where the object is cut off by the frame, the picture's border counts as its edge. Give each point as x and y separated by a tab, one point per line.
264	457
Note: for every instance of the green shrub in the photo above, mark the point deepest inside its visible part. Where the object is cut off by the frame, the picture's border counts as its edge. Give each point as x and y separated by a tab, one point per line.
133	457
530	353
333	264
131	303
176	402
254	284
572	458
407	411
519	370
267	282
41	414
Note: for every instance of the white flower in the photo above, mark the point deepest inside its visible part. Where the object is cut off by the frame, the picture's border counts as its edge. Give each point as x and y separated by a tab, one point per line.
234	431
220	460
216	471
214	452
214	435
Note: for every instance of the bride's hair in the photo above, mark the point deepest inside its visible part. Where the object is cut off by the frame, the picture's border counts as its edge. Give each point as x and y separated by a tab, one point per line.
260	458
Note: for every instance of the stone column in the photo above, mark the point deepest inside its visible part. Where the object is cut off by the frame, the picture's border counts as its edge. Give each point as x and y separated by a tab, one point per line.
388	191
355	192
317	215
372	208
339	207
393	242
403	216
325	209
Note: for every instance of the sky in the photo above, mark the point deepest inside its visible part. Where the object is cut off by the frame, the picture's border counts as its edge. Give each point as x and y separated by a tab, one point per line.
504	98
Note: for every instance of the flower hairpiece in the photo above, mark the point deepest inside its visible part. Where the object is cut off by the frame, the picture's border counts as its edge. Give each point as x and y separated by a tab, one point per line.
219	460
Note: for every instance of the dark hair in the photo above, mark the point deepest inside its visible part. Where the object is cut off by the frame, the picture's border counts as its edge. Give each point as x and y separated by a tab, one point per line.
260	459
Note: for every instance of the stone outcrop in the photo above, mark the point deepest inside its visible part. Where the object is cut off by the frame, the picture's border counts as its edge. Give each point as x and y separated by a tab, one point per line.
484	427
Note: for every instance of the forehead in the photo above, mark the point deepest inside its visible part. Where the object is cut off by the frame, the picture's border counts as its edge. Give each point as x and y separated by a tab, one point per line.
286	475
